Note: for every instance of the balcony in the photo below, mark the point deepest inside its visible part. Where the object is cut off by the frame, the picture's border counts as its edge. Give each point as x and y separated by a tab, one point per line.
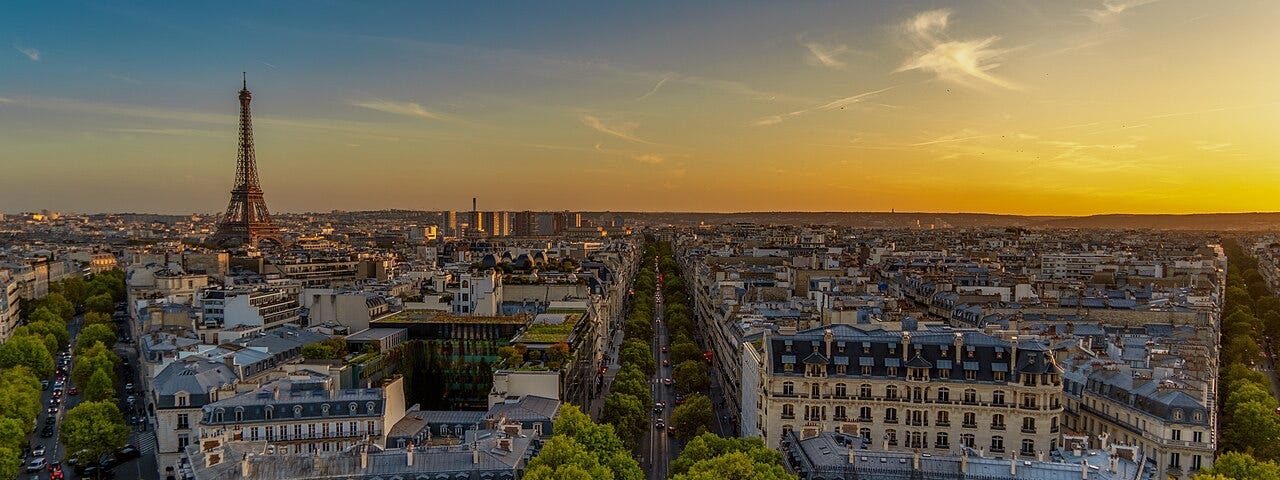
942	423
998	427
864	419
891	420
995	449
1028	430
788	416
969	425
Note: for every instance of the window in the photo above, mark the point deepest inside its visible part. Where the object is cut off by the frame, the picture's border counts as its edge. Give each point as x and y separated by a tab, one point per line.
1028	446
370	428
970	375
891	371
997	443
369	408
1195	462
253	434
941	441
864	414
183	441
1197	437
966	439
351	408
1175	460
839	412
970	396
944	394
997	397
180	399
788	388
324	409
788	411
866	371
239	414
891	436
1177	414
217	416
297	431
997	421
916	440
1028	425
999	376
891	392
1175	434
970	420
841	391
269	412
815	391
184	422
865	433
864	390
944	419
341	430
891	415
297	410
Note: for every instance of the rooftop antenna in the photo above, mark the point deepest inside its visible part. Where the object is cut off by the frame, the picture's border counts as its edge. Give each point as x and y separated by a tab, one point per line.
244	79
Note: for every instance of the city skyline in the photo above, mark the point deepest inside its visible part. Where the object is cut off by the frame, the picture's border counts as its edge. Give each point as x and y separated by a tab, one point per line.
1132	106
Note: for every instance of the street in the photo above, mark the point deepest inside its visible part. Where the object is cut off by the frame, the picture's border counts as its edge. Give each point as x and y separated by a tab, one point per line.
658	448
142	436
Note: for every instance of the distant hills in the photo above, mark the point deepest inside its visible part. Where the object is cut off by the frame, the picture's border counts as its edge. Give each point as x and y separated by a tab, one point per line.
1203	221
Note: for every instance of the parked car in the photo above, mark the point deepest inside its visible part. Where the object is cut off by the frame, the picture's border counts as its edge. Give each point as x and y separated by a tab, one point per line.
659	424
129	452
44	384
39	451
47	432
74	391
128	387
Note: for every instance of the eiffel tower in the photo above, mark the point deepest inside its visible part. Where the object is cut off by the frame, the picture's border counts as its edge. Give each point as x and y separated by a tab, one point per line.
247	221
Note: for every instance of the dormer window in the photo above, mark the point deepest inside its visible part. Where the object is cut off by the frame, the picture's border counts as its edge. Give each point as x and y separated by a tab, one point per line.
351	408
217	416
269	412
369	407
324	409
297	410
239	414
1177	414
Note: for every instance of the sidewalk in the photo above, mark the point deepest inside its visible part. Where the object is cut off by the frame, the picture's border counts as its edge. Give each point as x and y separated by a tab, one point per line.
597	402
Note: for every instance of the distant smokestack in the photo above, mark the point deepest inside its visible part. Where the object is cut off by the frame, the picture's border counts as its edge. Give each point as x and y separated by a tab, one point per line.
473	204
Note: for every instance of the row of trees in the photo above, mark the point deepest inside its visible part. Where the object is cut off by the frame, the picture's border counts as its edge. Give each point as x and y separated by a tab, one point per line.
1250	426
96	426
29	355
626	409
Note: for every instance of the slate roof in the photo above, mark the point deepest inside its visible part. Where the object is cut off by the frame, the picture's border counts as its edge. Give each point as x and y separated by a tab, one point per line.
194	376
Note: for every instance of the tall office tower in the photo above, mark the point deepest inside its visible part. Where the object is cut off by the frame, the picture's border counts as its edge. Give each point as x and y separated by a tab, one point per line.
524	224
499	223
566	219
247	221
450	220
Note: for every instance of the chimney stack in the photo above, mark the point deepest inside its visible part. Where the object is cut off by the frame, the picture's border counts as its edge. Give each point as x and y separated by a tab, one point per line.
964	460
246	468
1084	469
409	454
475	454
1013	464
364	456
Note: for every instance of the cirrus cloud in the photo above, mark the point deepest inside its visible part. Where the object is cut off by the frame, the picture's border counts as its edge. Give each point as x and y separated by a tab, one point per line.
965	62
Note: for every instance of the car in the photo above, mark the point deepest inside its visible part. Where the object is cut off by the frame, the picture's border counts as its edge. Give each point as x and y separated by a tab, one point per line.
47	432
108	462
128	387
51	411
55	466
667	381
129	452
36	465
664	349
44	384
57	384
73	391
130	400
679	399
659	424
56	475
671	431
657	407
39	451
666	363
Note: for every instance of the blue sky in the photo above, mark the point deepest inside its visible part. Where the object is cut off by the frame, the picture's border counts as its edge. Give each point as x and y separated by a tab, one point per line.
1045	107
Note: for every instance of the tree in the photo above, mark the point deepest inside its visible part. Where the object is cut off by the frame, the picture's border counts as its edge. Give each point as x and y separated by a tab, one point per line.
638	353
58	304
74	289
735	465
95	318
1240	466
564	458
48	327
631	381
29	351
94	358
628	416
94	334
10	463
693	417
1254	428
709	445
317	351
558	353
102	303
99	387
97	428
685	351
691	376
20	396
598	439
44	314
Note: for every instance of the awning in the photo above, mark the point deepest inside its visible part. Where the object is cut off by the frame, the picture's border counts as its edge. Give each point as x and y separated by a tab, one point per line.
892	362
788	359
867	362
999	367
970	365
842	360
944	364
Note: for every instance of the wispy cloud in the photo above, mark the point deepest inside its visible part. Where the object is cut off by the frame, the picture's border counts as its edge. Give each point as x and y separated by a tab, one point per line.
31	53
620	130
409	109
827	56
123	78
181	132
957	61
1112	8
649	158
656	86
832	105
268	65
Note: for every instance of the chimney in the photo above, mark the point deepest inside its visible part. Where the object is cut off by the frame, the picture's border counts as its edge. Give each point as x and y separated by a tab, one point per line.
1013	356
473	204
906	344
1114	462
1040	455
1013	464
1084	469
409	454
915	459
827	336
246	468
475	454
964	460
959	343
364	456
